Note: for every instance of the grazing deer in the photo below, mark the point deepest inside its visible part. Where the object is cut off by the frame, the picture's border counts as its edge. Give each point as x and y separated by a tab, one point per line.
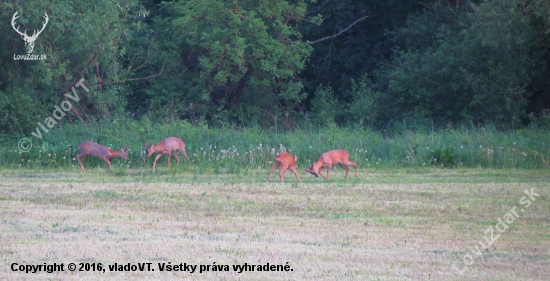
102	152
329	158
285	161
169	145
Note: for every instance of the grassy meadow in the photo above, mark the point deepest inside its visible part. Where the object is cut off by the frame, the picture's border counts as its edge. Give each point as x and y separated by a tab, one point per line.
406	224
239	149
455	204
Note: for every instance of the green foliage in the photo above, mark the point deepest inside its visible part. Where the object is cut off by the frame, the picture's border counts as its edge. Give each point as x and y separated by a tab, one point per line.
238	149
472	66
363	108
14	113
443	157
540	9
541	120
357	51
259	64
324	107
245	56
84	39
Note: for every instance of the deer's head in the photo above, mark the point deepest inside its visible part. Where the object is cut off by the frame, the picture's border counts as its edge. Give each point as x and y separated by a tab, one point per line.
29	40
124	151
148	147
312	170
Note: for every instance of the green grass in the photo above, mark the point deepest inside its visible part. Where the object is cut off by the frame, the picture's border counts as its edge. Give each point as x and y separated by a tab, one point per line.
237	150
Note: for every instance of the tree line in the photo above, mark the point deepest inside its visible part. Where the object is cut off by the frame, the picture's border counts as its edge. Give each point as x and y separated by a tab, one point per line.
280	63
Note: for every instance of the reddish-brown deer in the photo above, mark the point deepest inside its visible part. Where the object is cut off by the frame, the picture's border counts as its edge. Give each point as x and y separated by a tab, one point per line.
329	158
169	145
104	153
285	161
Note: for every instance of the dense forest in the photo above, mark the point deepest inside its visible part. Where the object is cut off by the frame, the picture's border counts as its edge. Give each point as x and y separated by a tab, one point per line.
278	63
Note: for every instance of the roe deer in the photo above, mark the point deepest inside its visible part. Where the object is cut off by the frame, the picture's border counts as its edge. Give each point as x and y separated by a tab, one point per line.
329	158
102	152
285	161
169	145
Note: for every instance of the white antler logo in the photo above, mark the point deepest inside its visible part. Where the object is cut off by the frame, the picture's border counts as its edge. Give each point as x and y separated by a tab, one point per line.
29	40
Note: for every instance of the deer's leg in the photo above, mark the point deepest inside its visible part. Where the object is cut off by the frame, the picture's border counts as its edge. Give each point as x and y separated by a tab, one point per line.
345	169
182	150
81	157
272	169
354	164
293	169
107	161
169	156
282	172
328	170
177	156
156	158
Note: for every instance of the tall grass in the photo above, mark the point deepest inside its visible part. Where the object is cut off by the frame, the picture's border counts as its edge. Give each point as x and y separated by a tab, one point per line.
230	150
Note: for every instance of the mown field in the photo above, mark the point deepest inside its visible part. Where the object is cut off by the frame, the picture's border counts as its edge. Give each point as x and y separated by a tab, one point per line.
402	224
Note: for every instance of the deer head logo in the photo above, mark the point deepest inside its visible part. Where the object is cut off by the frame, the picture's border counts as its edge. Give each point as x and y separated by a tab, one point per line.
29	40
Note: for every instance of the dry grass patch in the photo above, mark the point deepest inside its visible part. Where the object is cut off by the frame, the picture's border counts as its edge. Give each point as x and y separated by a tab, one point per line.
415	228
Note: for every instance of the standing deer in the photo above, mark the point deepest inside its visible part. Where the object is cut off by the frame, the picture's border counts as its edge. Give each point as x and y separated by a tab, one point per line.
329	158
169	145
285	161
102	152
